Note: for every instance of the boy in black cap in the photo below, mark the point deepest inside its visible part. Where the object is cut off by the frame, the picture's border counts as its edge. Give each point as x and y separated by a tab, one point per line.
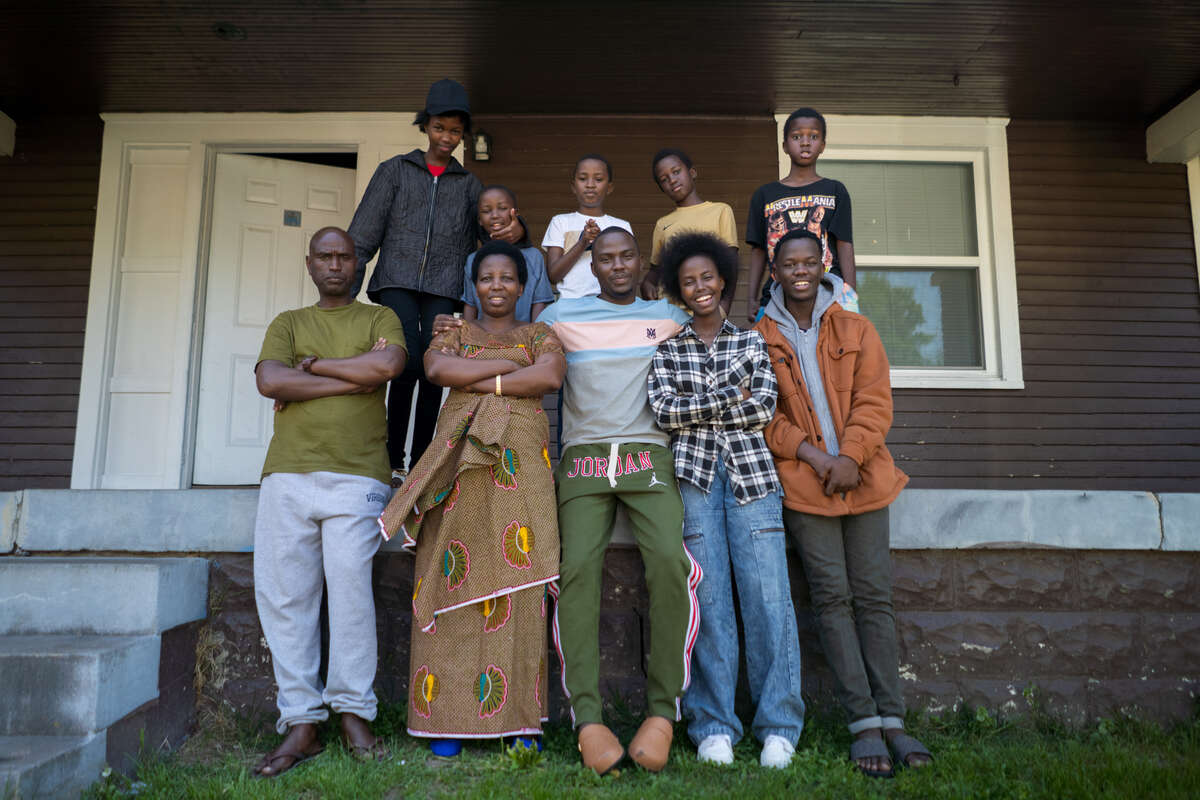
419	213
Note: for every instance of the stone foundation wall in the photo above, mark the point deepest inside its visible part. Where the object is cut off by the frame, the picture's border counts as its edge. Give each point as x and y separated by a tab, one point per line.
1089	633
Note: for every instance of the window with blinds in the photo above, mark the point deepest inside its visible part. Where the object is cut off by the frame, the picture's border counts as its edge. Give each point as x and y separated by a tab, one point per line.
916	247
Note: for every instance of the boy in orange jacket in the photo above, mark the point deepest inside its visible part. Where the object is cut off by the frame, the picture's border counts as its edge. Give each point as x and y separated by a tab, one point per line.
827	437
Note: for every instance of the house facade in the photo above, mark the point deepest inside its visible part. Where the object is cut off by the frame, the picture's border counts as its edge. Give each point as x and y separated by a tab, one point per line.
1027	229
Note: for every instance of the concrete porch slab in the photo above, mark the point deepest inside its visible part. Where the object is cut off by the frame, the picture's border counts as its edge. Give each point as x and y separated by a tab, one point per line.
222	520
149	521
49	766
100	595
62	684
1181	521
938	519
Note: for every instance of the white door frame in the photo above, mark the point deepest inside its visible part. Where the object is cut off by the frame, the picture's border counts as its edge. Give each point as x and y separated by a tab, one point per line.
136	422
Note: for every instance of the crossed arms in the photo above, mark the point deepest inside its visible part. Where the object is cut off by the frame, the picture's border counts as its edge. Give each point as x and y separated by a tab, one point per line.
317	377
479	374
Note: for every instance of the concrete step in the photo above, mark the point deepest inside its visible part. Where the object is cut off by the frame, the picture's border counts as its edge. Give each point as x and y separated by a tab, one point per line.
58	684
49	766
100	595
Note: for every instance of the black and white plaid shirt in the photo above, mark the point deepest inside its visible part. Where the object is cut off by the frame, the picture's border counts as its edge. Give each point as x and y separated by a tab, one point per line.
695	392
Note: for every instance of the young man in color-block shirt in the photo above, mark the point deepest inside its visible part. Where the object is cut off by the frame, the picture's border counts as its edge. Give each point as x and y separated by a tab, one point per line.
616	454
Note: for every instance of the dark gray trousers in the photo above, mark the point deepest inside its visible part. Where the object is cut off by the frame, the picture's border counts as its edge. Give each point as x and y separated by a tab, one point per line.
847	561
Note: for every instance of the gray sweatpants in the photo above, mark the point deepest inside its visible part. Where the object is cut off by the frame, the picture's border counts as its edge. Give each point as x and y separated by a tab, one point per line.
312	527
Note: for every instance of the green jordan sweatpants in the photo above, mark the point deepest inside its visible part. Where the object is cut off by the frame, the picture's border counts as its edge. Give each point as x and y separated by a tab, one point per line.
592	479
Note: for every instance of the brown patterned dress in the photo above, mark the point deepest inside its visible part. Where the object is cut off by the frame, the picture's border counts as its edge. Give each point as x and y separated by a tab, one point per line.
479	508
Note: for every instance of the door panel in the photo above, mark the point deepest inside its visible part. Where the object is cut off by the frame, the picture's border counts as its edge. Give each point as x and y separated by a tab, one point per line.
264	212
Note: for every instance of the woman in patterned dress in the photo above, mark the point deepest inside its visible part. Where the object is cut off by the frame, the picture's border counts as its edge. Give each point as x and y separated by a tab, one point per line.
479	510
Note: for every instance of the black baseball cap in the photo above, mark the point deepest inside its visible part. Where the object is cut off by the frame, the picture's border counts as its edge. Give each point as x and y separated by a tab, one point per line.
447	95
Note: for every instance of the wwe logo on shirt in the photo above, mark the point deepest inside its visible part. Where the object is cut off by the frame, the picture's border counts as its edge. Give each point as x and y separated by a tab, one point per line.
651	333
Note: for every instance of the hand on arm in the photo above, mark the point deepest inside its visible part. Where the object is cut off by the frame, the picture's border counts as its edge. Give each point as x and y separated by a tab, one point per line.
674	410
542	376
842	477
376	366
456	372
839	474
757	405
446	322
285	384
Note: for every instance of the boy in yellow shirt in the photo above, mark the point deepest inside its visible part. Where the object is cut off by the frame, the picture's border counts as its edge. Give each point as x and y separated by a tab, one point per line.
675	175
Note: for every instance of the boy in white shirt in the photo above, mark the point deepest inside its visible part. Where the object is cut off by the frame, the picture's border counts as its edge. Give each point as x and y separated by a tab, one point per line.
569	236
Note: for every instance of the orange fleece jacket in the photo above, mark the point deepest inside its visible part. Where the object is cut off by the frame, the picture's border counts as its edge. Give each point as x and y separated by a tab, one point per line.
854	367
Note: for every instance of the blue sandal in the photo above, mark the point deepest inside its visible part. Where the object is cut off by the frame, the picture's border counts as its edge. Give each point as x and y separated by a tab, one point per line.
871	748
905	747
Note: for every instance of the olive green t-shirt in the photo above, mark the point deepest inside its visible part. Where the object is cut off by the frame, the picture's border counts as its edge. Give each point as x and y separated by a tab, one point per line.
346	433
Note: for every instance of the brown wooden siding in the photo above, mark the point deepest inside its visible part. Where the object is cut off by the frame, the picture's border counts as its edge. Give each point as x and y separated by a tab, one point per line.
535	156
1110	331
1107	286
1107	290
47	215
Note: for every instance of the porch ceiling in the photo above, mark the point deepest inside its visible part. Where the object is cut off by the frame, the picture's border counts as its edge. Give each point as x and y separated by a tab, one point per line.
1023	58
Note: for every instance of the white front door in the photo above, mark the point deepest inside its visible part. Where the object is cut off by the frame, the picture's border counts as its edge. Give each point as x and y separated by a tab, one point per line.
264	212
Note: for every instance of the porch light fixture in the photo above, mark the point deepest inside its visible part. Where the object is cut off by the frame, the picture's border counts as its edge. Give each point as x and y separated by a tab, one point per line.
483	146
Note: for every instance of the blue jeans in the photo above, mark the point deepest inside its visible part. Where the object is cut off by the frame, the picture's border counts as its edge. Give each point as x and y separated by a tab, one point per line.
749	538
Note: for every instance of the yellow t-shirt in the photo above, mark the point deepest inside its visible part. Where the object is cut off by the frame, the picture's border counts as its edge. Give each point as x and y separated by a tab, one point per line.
346	433
706	217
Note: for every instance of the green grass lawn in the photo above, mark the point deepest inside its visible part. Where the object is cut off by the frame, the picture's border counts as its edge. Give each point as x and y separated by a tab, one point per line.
977	756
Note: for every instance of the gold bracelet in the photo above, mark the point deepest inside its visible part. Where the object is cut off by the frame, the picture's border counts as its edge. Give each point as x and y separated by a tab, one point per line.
497	385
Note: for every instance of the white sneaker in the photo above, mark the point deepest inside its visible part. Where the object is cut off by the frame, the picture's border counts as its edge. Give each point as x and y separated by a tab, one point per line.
777	752
716	749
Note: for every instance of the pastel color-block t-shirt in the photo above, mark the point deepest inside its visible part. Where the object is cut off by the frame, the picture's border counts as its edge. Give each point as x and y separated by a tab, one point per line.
346	433
564	231
608	349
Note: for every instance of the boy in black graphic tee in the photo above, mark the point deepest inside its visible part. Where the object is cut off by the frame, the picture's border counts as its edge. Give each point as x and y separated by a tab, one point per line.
802	200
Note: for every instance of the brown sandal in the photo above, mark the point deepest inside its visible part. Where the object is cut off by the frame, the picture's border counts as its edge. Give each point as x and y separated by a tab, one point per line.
268	761
376	751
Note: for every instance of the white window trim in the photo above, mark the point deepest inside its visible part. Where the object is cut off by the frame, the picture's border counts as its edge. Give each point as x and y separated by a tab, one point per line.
1175	138
1193	172
981	142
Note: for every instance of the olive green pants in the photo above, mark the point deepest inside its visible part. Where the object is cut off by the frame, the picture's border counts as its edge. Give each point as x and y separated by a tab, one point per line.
644	478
